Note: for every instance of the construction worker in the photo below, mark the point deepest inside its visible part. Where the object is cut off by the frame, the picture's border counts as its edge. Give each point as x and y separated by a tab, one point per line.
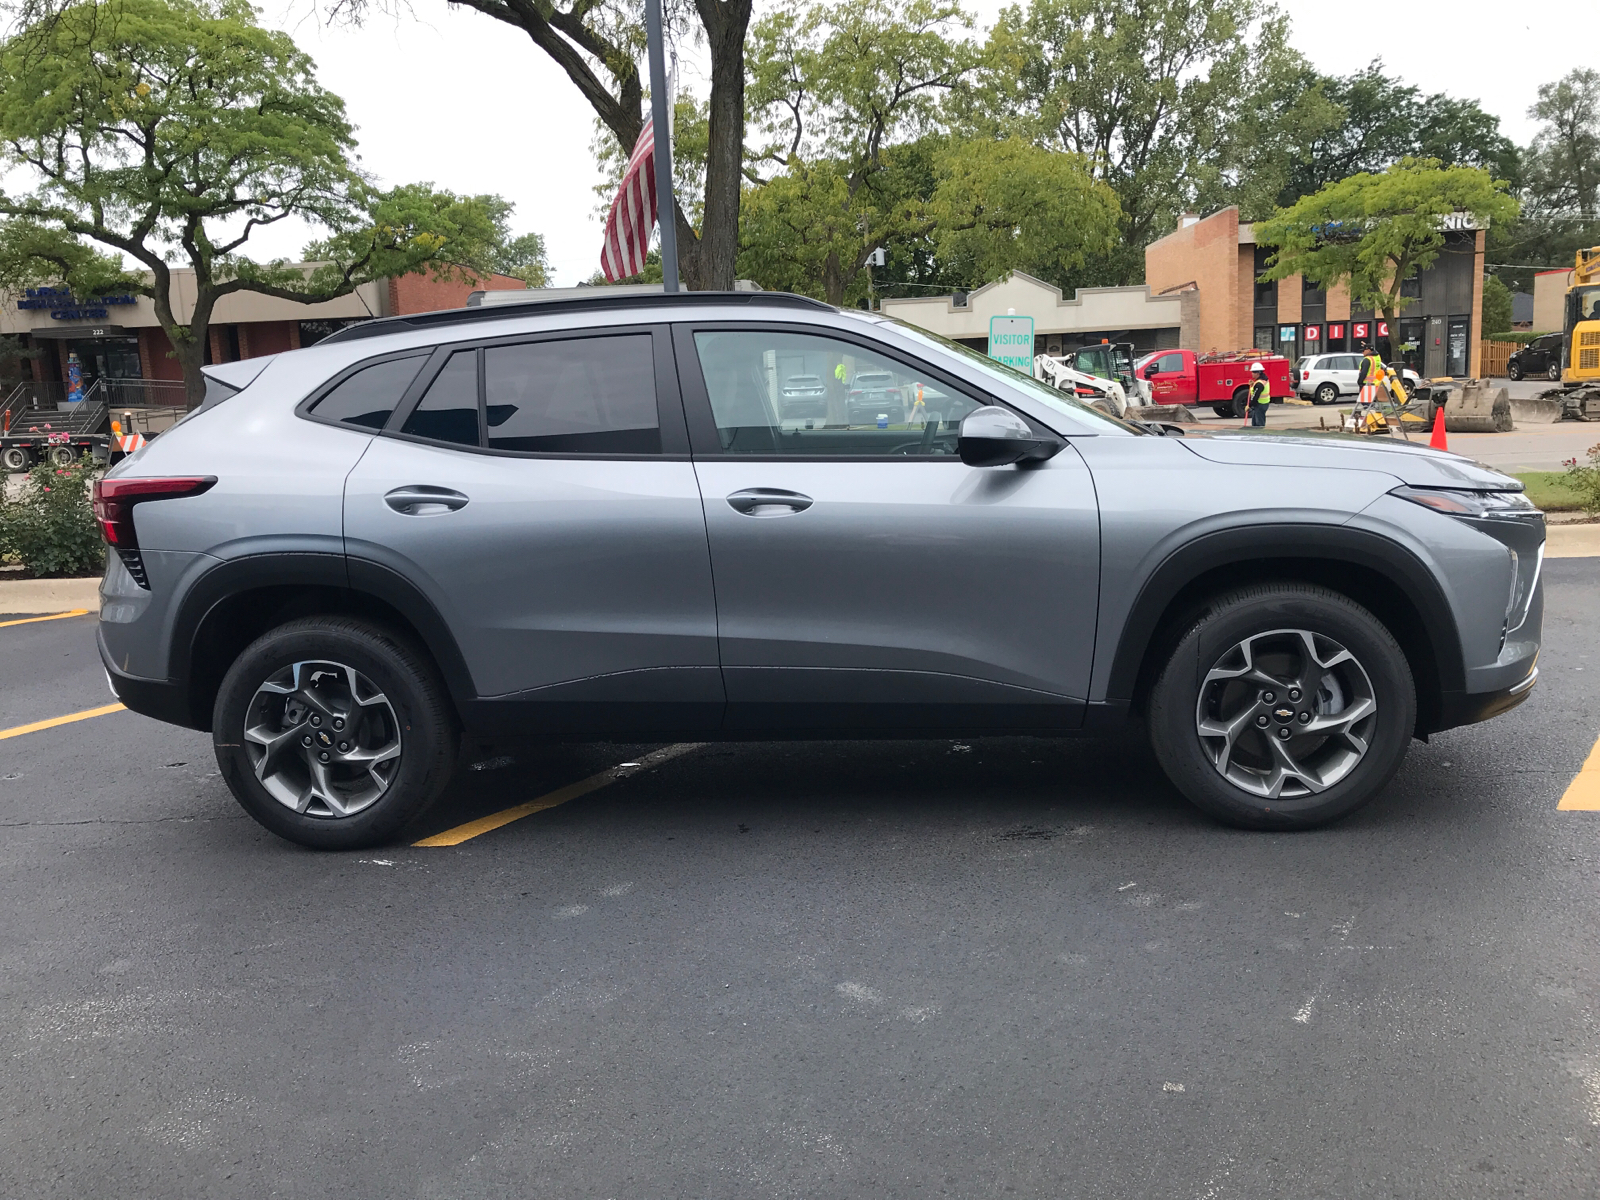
1258	396
1370	376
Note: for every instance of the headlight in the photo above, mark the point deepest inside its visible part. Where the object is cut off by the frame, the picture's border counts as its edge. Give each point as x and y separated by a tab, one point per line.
1511	519
1480	505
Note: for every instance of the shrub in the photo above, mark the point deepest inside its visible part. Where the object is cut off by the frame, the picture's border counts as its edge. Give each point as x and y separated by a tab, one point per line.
50	527
1585	480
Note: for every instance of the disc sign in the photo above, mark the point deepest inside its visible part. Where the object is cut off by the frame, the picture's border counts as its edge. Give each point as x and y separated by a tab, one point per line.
1011	342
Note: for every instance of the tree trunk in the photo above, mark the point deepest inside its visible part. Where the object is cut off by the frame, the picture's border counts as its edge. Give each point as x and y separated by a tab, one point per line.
191	353
718	247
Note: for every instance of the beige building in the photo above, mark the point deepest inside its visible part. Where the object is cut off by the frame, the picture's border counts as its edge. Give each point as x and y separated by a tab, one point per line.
1550	300
1438	332
1126	314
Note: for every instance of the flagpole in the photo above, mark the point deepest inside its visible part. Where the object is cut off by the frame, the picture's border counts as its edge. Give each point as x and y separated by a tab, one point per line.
666	209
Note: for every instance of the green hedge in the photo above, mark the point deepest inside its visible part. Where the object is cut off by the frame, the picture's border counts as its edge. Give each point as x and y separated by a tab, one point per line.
1521	339
50	528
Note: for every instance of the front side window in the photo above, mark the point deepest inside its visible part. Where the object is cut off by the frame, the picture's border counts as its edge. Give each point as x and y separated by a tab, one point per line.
774	392
368	397
581	396
1172	363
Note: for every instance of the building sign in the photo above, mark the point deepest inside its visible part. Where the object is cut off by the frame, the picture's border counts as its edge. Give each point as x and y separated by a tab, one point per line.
1011	342
1286	333
1335	332
1359	329
1313	333
1383	329
63	306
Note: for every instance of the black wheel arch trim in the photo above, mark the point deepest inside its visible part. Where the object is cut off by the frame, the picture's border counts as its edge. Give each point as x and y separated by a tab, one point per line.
232	577
1283	542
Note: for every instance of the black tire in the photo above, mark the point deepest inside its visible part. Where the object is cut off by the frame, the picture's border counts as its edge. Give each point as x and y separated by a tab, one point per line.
1411	390
16	458
1223	410
423	726
64	456
1553	371
1327	393
1241	399
1514	371
1255	613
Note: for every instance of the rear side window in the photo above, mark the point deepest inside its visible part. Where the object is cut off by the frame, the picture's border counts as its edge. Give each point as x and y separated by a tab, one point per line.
594	395
448	411
368	397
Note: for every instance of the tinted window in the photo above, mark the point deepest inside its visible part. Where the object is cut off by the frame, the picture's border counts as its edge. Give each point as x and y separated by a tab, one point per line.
369	396
449	408
866	405
1170	362
585	396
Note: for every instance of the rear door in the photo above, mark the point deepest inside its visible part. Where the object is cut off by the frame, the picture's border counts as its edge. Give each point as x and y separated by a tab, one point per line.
539	492
866	578
1344	368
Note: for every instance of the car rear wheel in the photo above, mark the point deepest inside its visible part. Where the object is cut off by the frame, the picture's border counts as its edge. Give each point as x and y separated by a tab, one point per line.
1283	707
333	733
16	458
1240	402
1327	393
1223	410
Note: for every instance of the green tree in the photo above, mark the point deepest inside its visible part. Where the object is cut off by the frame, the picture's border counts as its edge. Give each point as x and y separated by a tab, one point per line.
837	94
174	129
1012	205
1379	121
522	257
1564	165
1496	305
1375	231
1161	97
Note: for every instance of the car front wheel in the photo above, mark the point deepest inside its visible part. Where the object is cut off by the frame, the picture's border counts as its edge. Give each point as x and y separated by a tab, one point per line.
333	733
1514	371
1283	707
1327	393
1553	371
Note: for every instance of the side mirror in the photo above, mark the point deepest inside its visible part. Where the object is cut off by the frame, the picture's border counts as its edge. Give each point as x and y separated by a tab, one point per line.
997	437
1151	371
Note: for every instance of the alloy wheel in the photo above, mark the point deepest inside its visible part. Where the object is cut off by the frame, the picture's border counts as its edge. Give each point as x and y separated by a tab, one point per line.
323	739
1286	714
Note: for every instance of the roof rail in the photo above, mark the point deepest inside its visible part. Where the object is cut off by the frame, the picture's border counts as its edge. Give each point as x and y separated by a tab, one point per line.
501	312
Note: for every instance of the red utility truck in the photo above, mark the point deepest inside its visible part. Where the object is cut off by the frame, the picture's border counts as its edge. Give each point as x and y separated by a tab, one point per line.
1220	380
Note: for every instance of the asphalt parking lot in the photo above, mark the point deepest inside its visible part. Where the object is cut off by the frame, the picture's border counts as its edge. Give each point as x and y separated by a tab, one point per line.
1009	967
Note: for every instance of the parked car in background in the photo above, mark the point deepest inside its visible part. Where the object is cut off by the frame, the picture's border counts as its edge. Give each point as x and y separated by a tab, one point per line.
804	396
874	395
1324	378
1540	358
585	520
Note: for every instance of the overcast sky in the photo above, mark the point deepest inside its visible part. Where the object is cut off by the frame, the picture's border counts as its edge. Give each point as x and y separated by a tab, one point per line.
472	105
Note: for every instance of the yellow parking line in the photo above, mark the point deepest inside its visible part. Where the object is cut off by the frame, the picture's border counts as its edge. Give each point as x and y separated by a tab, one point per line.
19	730
472	829
77	612
1583	793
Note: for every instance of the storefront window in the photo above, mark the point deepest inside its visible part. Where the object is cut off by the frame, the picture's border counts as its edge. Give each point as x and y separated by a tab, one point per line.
1456	345
1264	339
1410	346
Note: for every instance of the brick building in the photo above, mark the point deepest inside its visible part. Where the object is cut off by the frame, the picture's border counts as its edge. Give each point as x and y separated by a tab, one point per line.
1437	334
118	337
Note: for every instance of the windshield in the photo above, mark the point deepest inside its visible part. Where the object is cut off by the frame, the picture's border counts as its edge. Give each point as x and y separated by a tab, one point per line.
1042	392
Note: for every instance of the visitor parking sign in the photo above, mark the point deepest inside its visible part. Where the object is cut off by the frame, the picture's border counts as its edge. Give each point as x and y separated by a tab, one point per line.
1011	342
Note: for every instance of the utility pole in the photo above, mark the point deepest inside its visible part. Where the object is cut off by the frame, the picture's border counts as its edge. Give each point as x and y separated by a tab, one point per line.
661	115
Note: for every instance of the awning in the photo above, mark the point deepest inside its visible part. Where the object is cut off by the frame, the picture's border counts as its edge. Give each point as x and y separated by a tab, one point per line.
85	332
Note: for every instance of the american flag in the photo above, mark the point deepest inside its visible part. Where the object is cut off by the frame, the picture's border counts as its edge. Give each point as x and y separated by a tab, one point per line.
633	212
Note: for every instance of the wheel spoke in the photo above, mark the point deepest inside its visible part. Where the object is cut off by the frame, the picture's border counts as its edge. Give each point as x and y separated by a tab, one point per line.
1286	767
273	745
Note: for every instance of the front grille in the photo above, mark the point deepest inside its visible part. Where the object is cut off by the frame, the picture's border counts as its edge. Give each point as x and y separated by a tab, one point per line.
1589	337
1589	360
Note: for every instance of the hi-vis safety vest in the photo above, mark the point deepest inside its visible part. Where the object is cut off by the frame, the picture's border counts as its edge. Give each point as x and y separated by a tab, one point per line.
1374	371
1260	392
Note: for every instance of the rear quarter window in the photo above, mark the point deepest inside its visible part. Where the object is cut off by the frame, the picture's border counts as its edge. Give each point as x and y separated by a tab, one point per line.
367	398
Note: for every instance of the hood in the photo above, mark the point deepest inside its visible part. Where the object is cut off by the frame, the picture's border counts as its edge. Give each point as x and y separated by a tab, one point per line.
1409	462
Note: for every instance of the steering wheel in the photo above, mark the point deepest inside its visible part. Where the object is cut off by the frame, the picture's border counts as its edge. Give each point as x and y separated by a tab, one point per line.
930	429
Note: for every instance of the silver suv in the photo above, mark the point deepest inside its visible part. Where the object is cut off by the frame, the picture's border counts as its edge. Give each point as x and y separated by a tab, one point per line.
588	520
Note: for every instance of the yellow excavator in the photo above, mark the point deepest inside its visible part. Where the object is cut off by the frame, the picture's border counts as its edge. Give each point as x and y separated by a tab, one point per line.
1580	358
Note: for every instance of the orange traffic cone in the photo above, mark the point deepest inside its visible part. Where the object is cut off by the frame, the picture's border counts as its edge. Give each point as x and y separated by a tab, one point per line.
1437	441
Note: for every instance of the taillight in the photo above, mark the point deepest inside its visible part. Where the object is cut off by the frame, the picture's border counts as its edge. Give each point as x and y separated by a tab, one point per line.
114	500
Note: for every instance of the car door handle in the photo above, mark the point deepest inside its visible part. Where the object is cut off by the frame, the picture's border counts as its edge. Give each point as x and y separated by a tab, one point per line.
421	500
768	502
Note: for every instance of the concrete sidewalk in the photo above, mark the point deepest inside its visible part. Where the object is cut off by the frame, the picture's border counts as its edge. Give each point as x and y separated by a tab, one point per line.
25	596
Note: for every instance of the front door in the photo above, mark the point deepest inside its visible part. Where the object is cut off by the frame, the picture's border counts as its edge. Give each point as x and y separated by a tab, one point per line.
539	492
867	579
